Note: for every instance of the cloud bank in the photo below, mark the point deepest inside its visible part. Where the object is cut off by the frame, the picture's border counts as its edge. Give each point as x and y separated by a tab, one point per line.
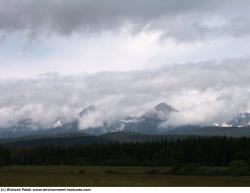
202	93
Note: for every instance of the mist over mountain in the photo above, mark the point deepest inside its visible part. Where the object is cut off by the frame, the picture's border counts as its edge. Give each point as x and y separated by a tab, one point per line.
156	120
46	99
147	123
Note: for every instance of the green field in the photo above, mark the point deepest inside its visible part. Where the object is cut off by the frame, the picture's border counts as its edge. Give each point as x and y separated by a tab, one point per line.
107	176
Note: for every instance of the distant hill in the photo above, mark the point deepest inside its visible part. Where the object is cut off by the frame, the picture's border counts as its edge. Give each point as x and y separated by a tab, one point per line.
82	139
211	131
138	137
65	141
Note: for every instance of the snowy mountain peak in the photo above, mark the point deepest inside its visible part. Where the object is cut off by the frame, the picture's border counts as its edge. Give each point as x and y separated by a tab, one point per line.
60	122
160	111
222	125
164	108
241	120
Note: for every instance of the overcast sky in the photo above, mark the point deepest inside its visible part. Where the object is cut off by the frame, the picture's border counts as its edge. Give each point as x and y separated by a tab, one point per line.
192	54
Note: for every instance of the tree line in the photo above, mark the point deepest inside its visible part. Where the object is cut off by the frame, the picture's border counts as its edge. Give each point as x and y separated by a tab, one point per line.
207	151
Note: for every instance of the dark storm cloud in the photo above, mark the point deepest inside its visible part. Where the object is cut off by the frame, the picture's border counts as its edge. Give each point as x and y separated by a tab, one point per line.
179	19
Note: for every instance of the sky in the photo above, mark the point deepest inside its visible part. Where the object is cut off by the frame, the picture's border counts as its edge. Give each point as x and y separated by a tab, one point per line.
56	57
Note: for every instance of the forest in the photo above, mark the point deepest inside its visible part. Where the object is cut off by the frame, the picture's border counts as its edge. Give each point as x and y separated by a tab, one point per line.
206	151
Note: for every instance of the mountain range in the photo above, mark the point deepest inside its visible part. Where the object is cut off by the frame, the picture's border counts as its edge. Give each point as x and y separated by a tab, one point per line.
149	123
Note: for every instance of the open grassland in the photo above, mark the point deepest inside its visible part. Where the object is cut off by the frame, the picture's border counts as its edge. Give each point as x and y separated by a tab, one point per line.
107	176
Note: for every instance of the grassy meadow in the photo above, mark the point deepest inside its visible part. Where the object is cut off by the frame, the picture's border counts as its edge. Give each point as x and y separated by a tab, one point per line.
108	176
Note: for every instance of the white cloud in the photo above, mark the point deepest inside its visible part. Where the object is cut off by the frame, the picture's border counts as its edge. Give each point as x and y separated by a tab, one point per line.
203	93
